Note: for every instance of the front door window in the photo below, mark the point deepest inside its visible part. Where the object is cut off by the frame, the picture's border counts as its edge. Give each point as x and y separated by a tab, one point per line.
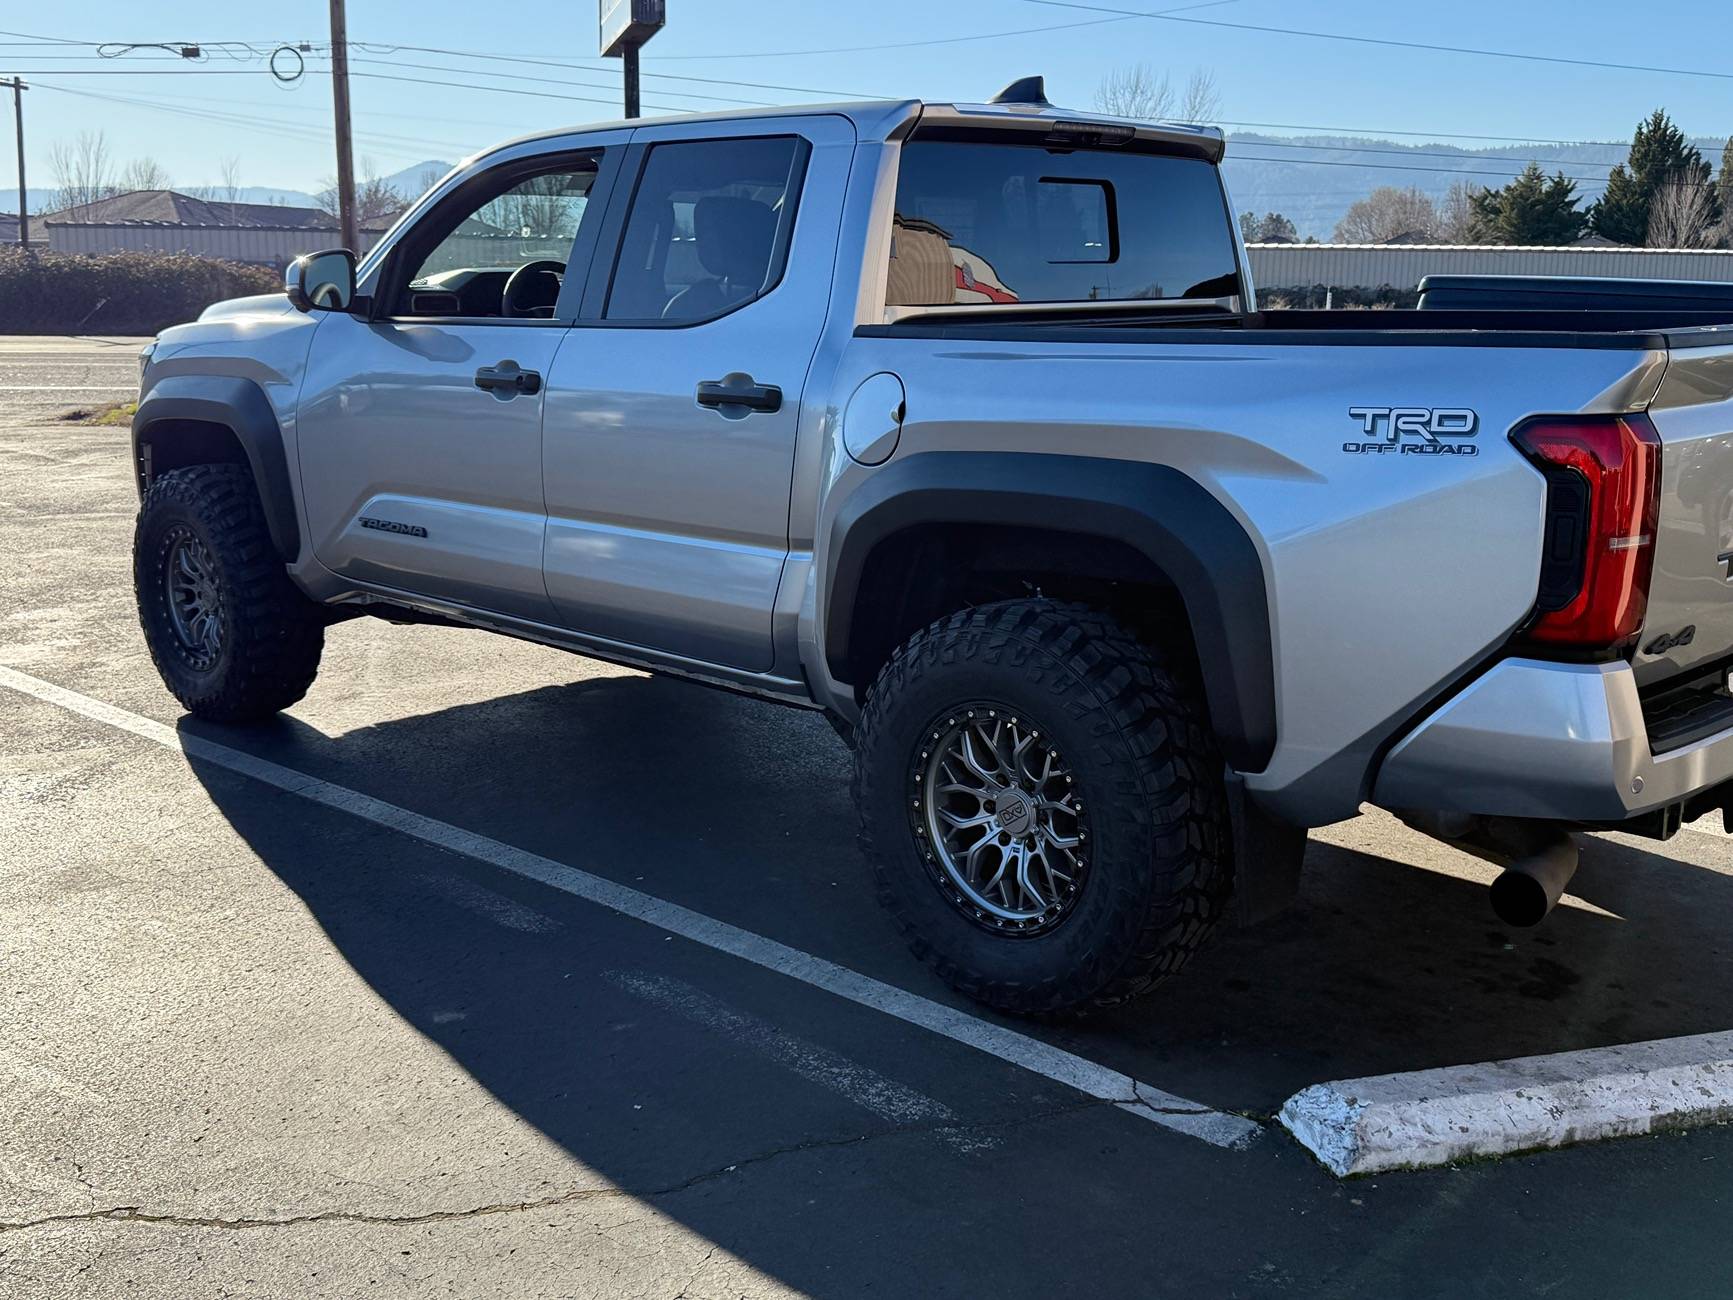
504	255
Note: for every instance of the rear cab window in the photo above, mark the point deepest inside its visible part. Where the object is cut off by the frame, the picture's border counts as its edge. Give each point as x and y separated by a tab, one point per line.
998	221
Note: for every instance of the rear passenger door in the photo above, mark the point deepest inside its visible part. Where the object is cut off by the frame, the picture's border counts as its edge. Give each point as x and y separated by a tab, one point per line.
673	407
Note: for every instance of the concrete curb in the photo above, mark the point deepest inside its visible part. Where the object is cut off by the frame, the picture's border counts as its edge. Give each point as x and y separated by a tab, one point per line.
1433	1117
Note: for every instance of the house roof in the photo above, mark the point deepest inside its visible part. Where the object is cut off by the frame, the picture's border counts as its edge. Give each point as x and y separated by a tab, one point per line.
8	227
172	208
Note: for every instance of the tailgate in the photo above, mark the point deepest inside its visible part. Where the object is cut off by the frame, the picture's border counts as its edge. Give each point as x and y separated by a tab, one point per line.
1689	628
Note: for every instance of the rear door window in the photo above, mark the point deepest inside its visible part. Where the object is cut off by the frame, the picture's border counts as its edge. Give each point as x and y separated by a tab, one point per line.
1015	223
708	230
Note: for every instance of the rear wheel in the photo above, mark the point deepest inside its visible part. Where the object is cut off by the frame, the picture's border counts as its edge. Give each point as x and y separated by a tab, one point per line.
1043	804
231	636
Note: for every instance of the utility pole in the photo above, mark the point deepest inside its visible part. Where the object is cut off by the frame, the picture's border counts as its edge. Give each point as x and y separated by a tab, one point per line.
18	89
345	149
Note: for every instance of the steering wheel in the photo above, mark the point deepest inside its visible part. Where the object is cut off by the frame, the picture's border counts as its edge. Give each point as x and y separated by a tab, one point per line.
533	289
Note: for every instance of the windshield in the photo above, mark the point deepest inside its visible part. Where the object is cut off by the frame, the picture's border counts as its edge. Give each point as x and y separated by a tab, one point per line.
1003	222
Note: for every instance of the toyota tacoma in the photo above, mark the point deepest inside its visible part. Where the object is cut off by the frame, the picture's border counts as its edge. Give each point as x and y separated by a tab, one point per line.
962	424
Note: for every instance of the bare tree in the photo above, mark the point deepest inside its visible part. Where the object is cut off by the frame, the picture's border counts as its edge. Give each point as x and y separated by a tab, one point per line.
144	174
376	202
1389	213
228	190
1136	91
230	171
83	171
1682	215
1458	220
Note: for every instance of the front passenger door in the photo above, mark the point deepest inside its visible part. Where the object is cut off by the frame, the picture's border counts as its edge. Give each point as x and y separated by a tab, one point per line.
420	429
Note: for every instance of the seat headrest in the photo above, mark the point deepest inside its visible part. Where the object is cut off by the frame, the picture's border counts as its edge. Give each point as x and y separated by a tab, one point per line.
734	237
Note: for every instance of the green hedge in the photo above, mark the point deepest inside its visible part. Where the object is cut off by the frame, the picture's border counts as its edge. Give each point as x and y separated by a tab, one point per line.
117	293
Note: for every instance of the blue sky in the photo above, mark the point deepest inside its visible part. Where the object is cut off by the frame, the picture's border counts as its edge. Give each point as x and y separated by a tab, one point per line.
229	106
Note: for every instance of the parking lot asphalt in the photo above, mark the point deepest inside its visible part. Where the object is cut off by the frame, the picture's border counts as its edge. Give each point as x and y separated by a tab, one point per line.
258	1046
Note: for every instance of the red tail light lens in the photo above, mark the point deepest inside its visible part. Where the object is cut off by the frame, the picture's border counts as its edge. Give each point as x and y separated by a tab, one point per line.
1603	502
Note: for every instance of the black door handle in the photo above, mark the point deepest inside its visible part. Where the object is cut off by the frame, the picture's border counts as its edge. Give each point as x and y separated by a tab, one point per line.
507	380
736	394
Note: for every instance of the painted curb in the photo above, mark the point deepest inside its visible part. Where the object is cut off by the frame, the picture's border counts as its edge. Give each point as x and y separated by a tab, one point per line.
1433	1117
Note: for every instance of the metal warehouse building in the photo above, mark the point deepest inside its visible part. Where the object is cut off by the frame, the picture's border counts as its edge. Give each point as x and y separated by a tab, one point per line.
1403	266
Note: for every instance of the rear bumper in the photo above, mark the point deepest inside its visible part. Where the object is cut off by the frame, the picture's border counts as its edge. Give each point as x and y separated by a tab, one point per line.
1565	742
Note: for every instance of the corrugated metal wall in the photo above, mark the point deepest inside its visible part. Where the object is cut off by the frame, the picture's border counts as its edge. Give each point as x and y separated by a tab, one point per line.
268	246
1403	266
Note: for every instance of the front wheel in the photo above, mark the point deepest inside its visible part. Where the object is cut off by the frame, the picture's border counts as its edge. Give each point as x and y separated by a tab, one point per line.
231	636
1042	802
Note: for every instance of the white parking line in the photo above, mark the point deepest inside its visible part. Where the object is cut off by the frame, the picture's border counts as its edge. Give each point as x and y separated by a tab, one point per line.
1088	1077
68	388
893	1102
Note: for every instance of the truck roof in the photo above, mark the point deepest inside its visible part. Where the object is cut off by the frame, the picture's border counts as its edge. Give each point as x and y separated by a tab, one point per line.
878	120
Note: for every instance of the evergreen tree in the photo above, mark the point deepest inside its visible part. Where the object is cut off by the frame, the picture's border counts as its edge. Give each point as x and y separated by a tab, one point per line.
1621	214
1277	229
1660	153
1271	228
1532	209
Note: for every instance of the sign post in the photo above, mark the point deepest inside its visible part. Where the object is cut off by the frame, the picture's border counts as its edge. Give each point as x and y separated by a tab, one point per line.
625	26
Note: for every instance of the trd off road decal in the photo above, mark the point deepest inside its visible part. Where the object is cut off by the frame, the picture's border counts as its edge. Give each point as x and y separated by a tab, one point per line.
1413	431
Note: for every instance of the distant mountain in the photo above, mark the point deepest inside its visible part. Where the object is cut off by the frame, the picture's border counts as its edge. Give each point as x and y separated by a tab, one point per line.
412	182
1313	180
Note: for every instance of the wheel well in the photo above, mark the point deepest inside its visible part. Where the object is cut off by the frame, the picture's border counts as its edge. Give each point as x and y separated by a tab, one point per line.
177	443
919	575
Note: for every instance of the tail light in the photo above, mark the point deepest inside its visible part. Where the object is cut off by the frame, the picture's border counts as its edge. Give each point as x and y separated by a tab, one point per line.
1603	500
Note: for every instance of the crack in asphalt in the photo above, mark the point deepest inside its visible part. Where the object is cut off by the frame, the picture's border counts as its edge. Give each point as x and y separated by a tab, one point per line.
136	1214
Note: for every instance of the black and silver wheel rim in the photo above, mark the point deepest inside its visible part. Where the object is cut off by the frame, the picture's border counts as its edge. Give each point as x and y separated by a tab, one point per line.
195	609
1000	820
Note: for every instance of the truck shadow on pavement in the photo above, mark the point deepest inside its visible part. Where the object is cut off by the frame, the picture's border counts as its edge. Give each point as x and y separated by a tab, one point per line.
742	811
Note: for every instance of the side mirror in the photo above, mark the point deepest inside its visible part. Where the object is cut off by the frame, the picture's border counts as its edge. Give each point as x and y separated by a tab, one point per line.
321	281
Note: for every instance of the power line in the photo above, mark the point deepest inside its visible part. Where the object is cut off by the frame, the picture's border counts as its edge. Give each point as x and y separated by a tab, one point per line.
1267	143
584	67
507	90
903	45
376	76
1437	137
940	40
1388	167
287	130
551	81
1382	41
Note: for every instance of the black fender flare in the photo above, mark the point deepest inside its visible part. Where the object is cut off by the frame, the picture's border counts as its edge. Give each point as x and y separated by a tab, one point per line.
1163	513
241	406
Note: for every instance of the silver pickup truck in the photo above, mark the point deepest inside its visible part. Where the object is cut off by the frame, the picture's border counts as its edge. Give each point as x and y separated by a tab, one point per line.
960	423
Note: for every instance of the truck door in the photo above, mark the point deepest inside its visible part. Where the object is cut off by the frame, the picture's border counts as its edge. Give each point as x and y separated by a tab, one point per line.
672	410
420	426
